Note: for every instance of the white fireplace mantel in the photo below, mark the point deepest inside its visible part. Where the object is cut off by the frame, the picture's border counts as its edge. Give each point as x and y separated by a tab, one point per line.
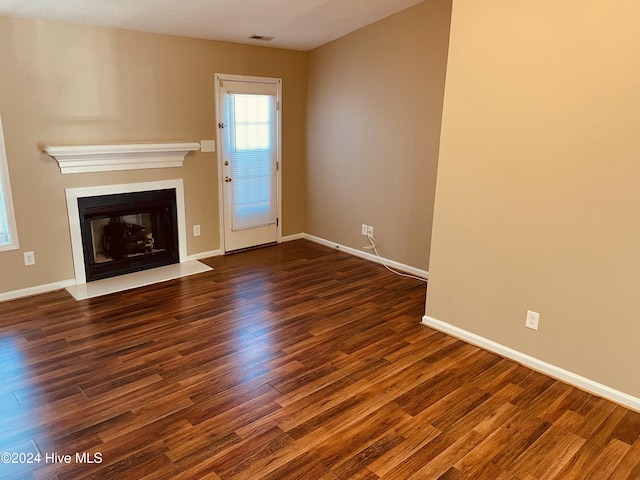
103	158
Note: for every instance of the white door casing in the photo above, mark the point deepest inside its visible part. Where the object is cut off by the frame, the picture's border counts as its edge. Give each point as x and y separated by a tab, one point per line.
249	160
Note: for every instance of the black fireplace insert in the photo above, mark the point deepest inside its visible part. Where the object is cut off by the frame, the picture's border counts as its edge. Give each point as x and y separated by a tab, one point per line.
128	232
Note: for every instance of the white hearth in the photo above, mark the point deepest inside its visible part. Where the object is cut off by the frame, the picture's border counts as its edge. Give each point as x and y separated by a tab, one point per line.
98	288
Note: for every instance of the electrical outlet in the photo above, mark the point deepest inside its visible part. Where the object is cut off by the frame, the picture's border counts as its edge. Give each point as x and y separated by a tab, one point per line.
370	231
196	230
29	258
207	145
532	320
364	230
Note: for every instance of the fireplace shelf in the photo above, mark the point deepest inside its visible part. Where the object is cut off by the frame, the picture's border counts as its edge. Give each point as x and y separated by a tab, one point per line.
103	158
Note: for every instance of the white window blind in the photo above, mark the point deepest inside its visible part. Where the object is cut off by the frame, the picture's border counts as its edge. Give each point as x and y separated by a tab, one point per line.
252	159
8	237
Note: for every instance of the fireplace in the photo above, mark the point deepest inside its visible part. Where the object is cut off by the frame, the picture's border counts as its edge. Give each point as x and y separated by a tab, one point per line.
128	232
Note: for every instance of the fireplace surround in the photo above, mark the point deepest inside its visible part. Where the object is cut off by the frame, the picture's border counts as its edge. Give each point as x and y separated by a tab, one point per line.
133	217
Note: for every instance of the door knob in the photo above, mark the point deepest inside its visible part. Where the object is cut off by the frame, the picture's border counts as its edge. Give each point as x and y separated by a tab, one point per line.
227	179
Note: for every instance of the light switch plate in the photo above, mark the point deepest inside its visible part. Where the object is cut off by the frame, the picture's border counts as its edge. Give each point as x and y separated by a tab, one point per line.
207	145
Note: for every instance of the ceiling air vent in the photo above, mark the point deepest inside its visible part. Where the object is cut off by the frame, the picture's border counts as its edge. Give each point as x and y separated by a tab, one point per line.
264	38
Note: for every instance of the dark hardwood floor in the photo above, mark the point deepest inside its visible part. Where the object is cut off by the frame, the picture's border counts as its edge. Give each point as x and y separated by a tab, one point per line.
289	362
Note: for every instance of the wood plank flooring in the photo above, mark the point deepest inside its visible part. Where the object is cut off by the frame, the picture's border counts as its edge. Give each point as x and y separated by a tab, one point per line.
290	362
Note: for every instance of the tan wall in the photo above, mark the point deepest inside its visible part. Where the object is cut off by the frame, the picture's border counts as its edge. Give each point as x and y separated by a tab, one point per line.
65	84
374	112
537	203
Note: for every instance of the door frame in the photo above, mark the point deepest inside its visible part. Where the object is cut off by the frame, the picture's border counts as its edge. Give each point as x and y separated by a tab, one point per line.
221	77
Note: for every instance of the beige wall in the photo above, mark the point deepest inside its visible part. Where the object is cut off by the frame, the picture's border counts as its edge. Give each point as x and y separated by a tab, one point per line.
374	112
537	203
65	84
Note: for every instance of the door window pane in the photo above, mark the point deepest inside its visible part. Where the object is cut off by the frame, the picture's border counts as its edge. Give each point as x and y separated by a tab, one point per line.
252	159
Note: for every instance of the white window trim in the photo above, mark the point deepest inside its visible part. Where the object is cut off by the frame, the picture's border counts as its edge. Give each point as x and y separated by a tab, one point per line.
8	202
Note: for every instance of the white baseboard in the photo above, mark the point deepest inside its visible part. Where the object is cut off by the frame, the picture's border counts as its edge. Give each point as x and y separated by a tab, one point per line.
27	292
295	236
201	255
368	256
566	376
213	253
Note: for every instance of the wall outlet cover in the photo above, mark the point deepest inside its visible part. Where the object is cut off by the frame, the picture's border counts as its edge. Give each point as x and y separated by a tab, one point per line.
29	258
532	320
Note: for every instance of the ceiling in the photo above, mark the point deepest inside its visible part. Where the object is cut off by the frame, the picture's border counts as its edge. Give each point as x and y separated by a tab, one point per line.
294	24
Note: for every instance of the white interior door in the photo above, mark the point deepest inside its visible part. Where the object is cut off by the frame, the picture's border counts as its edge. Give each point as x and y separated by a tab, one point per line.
249	139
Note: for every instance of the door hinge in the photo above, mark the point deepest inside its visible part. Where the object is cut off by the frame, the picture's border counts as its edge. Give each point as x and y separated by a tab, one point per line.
220	125
277	166
277	222
278	106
